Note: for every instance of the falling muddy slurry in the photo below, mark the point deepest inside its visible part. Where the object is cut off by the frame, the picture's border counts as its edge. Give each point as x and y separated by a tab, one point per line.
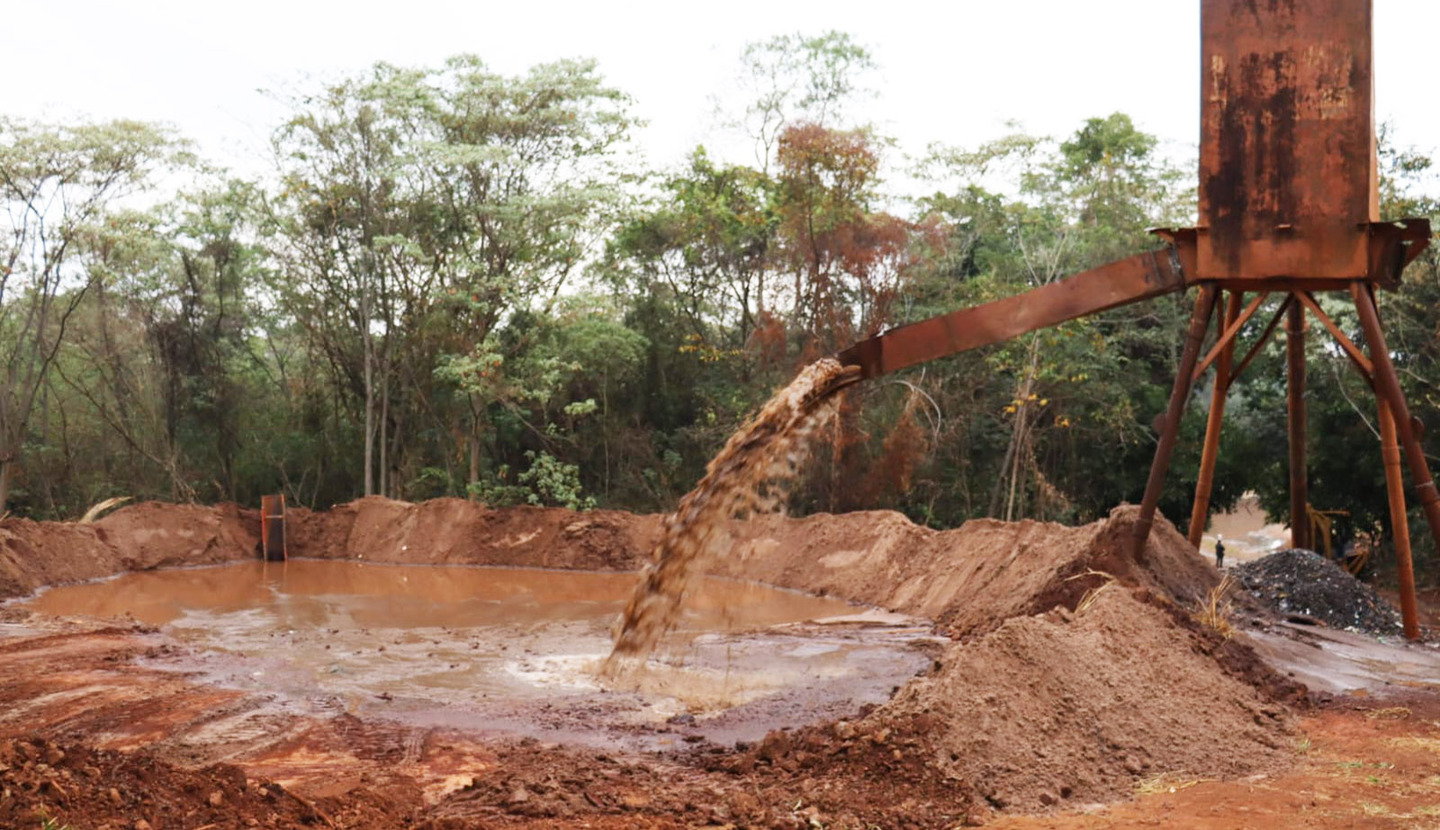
504	650
748	476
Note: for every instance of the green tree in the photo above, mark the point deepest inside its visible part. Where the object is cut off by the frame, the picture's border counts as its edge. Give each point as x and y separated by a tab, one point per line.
1056	423
799	78
425	209
57	183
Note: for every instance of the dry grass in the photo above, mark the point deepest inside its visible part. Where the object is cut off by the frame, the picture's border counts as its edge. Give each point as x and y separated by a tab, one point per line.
1416	742
1094	593
1389	713
1165	782
95	510
1214	612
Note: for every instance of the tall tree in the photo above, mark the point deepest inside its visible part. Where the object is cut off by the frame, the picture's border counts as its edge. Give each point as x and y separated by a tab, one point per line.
56	184
800	78
424	209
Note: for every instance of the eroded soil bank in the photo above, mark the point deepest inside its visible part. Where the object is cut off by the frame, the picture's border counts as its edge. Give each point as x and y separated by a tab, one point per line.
1058	687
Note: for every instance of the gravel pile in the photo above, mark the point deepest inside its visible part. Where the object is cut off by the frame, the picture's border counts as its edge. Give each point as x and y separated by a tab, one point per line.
1303	582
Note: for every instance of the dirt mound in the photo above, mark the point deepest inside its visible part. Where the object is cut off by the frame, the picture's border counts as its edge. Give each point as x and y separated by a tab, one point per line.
80	787
154	534
141	536
1304	583
456	531
1071	707
33	554
972	579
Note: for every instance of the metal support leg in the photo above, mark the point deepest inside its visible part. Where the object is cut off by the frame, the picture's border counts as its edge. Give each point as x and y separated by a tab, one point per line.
1295	414
1200	510
1387	389
1170	429
1399	522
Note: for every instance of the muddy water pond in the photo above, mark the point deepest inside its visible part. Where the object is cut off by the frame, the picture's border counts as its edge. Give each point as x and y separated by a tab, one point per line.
508	649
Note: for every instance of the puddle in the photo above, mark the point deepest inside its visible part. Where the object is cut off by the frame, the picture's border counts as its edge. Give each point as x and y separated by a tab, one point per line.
508	650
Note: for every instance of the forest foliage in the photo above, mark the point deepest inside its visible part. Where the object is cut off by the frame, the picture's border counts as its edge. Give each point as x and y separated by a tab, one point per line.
463	283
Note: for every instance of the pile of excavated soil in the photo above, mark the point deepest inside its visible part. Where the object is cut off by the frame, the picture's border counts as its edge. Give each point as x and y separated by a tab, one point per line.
972	579
1302	582
138	537
1067	707
459	532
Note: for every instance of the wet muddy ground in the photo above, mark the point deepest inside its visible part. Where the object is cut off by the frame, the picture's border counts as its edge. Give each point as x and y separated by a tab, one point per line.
505	651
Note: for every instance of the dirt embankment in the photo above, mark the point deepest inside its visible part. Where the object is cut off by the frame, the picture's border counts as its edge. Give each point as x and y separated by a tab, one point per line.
460	532
442	531
969	580
138	537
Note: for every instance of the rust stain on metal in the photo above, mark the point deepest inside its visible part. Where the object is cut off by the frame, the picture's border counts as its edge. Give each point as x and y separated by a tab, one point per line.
1287	140
1126	281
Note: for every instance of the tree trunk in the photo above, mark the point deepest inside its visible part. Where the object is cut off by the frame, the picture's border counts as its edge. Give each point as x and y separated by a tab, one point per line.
369	397
474	476
1007	482
5	470
384	486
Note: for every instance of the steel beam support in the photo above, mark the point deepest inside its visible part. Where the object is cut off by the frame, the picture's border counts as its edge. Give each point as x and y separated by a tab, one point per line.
1169	431
1295	423
1387	389
1229	330
1119	283
1200	510
1399	522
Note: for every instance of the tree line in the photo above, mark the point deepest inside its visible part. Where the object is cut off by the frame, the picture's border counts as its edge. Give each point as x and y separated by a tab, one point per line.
464	283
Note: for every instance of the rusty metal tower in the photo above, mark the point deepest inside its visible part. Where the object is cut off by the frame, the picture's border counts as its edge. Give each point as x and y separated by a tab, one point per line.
1289	206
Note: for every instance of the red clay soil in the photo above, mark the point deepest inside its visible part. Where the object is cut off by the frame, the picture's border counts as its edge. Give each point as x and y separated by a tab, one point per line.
1029	709
456	531
134	538
104	790
969	580
1076	706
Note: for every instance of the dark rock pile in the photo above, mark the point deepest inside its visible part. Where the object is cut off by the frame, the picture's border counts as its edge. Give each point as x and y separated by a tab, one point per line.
1303	583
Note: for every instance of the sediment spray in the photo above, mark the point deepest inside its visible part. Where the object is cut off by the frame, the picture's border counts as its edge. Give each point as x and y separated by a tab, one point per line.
750	475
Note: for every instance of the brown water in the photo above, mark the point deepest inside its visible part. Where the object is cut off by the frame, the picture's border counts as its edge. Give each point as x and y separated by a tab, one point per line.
749	475
325	594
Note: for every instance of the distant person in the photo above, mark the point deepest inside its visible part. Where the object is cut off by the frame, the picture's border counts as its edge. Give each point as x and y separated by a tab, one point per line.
1219	552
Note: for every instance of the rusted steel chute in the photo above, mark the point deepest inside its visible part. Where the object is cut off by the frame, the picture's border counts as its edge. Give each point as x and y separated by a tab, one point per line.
1289	205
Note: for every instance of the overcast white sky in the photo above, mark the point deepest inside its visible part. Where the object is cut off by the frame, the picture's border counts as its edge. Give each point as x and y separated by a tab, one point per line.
949	71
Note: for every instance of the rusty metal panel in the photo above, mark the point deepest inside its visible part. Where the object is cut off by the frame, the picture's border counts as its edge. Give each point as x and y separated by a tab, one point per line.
1119	283
1287	139
272	528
